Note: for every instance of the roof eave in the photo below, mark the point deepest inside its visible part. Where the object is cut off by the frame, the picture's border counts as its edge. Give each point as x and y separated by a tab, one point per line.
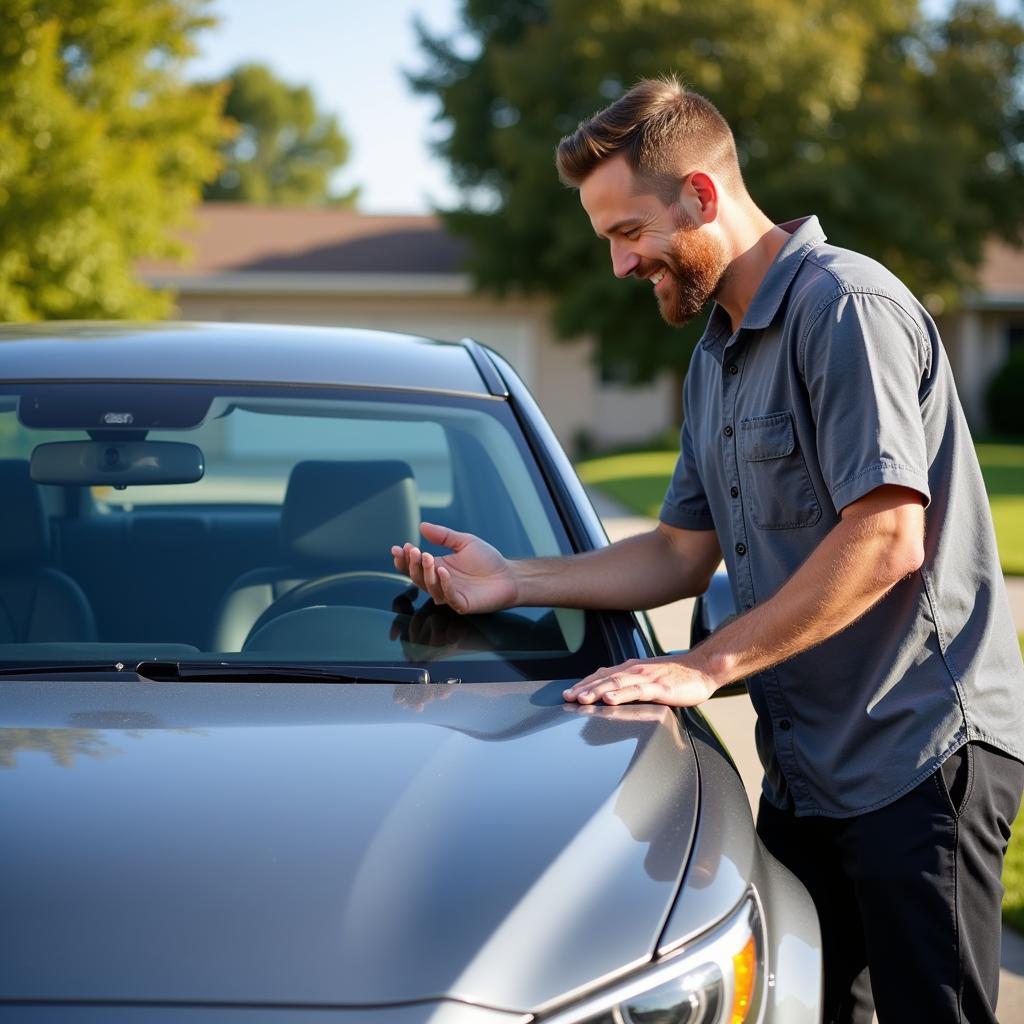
994	301
270	282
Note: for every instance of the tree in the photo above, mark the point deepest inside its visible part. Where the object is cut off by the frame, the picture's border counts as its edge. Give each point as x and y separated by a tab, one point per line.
905	135
103	150
285	150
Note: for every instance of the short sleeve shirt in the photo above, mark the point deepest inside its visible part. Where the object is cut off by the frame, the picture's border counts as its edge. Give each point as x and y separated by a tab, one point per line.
835	384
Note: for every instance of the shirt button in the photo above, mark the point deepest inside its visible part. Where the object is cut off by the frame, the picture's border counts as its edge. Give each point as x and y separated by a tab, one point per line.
785	724
727	431
733	369
734	491
741	549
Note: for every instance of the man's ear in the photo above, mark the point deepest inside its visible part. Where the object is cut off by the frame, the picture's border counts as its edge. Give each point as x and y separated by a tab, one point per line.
699	195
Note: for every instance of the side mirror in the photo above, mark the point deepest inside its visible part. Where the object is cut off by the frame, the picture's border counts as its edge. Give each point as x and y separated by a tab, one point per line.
713	609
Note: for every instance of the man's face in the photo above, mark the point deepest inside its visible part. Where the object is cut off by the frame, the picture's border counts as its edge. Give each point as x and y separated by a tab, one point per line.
685	261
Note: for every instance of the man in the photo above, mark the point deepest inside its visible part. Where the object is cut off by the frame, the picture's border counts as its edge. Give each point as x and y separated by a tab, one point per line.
825	454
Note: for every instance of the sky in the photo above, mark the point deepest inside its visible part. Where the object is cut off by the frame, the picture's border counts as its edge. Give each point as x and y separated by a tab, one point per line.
351	54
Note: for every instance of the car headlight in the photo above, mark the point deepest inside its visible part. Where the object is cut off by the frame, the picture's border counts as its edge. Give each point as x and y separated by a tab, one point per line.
718	978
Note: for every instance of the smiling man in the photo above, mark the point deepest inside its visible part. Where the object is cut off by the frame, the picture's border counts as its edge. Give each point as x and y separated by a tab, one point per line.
825	455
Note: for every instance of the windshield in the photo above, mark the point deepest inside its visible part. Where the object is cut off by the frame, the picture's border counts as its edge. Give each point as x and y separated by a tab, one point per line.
253	525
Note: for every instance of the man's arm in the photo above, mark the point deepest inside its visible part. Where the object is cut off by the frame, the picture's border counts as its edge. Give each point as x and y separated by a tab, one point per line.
644	571
878	541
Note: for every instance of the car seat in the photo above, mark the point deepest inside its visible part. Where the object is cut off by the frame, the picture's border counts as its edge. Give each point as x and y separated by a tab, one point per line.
38	603
337	517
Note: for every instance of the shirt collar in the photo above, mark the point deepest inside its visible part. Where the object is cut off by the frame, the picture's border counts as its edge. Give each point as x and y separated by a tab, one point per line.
805	233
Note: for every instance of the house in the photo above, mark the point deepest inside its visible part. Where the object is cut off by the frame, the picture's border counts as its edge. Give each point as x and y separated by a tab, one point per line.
403	273
979	337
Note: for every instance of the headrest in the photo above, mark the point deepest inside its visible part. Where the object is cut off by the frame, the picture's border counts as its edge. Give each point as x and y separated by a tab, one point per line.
349	512
24	528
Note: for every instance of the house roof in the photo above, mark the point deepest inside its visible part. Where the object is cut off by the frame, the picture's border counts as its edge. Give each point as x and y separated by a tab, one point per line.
229	238
1002	273
261	246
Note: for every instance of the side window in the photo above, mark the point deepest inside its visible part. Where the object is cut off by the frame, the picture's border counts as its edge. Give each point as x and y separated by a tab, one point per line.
14	440
17	441
250	437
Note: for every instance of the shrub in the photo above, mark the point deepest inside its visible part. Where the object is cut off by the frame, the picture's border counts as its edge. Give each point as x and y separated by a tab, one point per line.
1005	398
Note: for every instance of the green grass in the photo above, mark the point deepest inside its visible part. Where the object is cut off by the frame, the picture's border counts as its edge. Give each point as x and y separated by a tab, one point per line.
1013	878
1008	516
638	481
1013	869
1002	465
634	479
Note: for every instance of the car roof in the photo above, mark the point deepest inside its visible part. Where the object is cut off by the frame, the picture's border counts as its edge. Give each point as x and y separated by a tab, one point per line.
236	352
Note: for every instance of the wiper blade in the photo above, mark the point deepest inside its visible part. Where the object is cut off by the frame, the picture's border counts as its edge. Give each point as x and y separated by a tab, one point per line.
71	668
229	672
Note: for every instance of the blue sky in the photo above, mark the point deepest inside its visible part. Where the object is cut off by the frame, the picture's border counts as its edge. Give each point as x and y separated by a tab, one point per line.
351	53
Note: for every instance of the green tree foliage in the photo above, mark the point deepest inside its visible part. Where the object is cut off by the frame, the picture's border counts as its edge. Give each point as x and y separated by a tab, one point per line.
103	149
285	150
906	136
63	745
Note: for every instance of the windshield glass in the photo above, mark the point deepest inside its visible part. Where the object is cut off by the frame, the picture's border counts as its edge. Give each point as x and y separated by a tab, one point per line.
180	522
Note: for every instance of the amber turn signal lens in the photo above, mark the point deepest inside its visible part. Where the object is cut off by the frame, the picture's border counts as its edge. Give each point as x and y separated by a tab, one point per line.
744	965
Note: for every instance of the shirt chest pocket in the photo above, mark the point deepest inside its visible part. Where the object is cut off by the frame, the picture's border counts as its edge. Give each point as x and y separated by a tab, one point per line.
778	488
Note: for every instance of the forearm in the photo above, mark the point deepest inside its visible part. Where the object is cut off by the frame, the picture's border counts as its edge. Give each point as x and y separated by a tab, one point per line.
878	541
638	572
850	571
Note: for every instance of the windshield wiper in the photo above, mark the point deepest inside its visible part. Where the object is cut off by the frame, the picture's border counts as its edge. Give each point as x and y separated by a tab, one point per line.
229	672
71	668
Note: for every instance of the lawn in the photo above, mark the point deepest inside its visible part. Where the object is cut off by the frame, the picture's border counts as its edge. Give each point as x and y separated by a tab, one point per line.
1013	869
638	481
1013	878
1002	465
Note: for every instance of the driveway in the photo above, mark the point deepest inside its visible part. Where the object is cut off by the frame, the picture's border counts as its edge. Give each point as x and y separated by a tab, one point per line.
733	718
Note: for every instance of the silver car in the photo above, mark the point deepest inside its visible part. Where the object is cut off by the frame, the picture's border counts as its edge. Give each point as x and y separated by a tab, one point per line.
247	772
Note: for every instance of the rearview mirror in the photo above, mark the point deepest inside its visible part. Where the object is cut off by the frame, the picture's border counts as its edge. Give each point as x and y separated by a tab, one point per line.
116	463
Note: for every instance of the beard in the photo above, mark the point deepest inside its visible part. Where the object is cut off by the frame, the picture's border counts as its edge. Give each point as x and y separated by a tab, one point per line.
697	265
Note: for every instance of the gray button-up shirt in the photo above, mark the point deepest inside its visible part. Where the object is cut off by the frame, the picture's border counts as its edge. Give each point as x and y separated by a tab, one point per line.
837	383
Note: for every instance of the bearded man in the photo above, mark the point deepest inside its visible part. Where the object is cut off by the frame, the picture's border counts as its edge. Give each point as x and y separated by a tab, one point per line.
825	455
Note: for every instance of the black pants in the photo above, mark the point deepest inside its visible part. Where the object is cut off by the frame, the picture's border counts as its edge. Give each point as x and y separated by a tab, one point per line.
909	895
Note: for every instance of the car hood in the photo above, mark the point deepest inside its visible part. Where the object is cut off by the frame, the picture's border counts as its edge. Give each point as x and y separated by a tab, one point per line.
337	845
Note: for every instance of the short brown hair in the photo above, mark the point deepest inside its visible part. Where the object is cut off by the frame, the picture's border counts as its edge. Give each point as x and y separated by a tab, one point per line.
656	125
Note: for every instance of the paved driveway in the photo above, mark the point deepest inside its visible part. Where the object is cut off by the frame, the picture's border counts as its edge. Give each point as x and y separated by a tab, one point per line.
733	718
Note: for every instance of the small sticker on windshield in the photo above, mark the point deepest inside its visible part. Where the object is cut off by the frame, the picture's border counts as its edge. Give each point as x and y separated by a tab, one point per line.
118	418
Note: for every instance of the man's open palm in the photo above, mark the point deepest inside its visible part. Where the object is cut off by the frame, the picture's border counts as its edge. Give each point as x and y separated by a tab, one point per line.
473	578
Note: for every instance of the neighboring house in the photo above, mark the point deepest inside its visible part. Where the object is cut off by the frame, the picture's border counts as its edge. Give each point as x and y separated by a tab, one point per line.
403	273
341	268
980	336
